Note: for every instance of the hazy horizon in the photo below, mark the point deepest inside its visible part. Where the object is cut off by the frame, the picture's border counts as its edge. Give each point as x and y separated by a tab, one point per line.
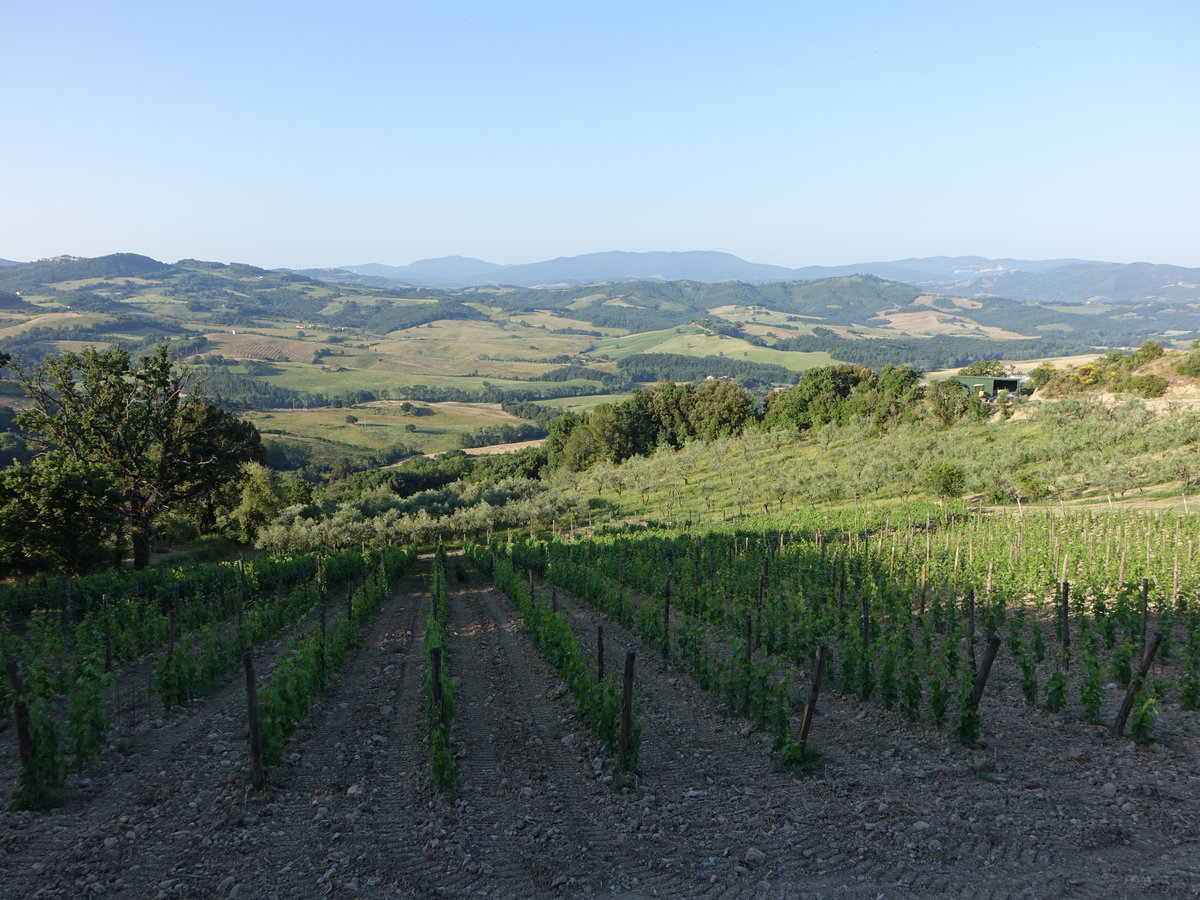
523	262
313	136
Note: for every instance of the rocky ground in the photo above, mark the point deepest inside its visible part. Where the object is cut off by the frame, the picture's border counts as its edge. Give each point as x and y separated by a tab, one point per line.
1042	808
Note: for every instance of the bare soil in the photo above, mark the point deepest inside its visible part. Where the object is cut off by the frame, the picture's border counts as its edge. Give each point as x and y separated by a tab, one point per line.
1043	807
494	449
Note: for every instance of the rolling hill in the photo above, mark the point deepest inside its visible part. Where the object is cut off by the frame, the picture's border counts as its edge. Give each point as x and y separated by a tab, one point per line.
862	318
1052	281
287	343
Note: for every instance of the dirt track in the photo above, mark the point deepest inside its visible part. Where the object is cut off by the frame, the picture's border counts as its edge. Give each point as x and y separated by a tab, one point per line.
1042	809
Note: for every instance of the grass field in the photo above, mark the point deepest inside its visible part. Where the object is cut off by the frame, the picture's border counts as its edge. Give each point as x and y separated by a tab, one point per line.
381	425
466	340
688	341
802	324
1027	365
645	342
548	320
55	320
492	369
336	376
582	403
160	305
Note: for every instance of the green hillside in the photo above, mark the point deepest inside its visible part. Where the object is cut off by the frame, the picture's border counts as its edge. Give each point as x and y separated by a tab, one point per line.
278	340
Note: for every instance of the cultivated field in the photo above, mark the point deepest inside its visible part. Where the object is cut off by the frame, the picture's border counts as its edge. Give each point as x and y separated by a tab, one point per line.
1039	806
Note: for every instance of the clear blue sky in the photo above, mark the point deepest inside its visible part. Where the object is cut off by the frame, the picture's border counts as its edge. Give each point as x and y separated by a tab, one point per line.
315	134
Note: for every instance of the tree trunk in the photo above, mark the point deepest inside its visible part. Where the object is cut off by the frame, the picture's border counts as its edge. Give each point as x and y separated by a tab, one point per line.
207	515
141	547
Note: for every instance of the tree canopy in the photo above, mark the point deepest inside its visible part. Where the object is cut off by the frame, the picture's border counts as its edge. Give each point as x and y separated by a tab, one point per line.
57	514
665	414
986	368
142	423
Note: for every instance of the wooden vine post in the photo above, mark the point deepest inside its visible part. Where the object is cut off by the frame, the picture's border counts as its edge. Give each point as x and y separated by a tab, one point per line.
256	759
762	591
1136	685
866	621
108	643
599	653
627	707
1066	625
64	611
749	650
971	627
240	598
321	657
1145	609
981	676
666	645
20	710
813	691
243	587
748	658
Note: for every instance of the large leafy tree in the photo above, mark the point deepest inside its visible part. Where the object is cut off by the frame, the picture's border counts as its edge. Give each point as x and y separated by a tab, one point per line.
56	514
718	408
821	397
986	368
948	401
142	422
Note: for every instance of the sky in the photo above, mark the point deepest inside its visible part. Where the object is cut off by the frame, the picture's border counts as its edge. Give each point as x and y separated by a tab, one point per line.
795	133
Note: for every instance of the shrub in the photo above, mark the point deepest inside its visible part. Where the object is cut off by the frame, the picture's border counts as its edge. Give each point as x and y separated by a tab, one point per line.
1190	364
1141	385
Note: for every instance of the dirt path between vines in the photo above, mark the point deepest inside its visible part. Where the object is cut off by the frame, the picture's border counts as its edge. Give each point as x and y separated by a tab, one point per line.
1044	808
1041	808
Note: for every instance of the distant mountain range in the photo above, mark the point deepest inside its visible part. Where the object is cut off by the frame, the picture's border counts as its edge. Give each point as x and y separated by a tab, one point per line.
1047	281
110	298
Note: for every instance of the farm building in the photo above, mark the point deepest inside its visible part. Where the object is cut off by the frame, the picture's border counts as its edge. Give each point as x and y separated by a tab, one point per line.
987	386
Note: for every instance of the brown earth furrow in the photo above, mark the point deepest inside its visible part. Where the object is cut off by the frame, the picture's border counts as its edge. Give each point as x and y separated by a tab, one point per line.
801	827
162	804
1042	808
355	772
178	767
529	804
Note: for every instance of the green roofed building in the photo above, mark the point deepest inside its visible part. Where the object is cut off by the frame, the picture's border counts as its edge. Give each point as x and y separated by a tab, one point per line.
987	386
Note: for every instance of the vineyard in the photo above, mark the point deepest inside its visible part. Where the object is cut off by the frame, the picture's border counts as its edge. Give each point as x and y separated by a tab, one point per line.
909	613
910	702
189	635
